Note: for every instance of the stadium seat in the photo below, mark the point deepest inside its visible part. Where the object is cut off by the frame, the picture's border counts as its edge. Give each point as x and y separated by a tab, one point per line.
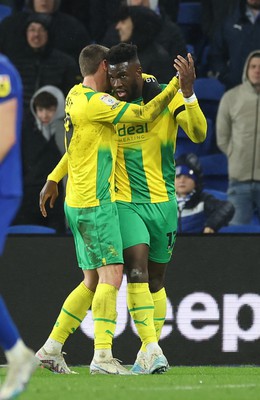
215	171
31	229
185	145
240	229
216	193
189	20
5	11
224	196
190	48
209	92
190	13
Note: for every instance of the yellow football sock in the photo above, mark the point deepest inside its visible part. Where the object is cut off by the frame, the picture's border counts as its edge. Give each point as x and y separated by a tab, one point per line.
141	308
104	315
72	313
160	306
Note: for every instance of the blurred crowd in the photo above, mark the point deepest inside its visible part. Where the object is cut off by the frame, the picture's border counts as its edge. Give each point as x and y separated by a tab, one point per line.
43	39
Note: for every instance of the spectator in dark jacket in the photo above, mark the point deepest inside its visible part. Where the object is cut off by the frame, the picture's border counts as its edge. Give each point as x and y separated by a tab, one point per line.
140	26
68	34
170	36
199	211
42	148
235	38
39	64
214	13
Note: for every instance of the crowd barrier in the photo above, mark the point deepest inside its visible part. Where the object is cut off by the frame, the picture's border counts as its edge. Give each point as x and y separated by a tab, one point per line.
213	289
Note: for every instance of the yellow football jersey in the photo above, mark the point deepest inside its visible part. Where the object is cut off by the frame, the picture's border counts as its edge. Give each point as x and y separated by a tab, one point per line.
145	168
91	141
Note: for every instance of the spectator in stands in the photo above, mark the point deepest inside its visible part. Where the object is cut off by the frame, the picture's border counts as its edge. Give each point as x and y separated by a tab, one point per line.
214	13
40	64
79	9
171	7
238	136
140	25
199	211
42	148
169	35
237	36
102	16
68	34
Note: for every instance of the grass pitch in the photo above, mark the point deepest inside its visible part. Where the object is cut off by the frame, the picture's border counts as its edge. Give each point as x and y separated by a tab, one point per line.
180	383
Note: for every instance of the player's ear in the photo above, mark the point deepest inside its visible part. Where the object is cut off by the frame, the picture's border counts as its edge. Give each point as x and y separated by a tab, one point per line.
104	65
139	71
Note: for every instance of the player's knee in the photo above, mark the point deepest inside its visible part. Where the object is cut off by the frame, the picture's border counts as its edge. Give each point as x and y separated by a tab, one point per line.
156	284
137	275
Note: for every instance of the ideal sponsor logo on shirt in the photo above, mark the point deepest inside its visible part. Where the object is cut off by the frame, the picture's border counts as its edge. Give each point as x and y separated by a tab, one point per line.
132	130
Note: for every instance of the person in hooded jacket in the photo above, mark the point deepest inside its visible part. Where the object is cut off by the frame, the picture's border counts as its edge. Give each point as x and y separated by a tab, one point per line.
40	64
68	34
198	211
170	36
42	148
140	25
238	136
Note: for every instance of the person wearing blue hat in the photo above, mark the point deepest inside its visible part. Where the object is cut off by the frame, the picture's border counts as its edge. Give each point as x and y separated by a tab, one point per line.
198	211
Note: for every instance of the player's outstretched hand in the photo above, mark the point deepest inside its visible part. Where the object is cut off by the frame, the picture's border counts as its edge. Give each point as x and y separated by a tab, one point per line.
49	191
187	75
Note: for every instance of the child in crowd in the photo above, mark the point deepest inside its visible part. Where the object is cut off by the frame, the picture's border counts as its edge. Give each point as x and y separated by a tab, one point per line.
199	211
42	148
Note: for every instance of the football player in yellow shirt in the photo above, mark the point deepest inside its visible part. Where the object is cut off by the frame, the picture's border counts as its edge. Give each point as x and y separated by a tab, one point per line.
91	144
145	191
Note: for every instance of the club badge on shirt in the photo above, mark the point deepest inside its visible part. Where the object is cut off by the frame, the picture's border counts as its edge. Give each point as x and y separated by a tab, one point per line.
5	85
107	99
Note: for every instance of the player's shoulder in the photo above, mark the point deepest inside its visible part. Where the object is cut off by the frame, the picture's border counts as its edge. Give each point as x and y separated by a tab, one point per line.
10	81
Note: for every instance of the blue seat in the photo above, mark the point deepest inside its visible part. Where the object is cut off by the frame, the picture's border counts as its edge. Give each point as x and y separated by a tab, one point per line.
224	197
31	229
240	229
190	48
5	11
189	13
209	92
185	145
189	20
216	193
215	171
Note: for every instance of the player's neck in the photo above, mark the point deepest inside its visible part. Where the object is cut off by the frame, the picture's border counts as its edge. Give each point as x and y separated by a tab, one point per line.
90	82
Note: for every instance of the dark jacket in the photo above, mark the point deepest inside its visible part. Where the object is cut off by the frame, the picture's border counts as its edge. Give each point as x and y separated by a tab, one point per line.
68	34
41	152
44	66
153	57
204	210
200	209
171	37
235	38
